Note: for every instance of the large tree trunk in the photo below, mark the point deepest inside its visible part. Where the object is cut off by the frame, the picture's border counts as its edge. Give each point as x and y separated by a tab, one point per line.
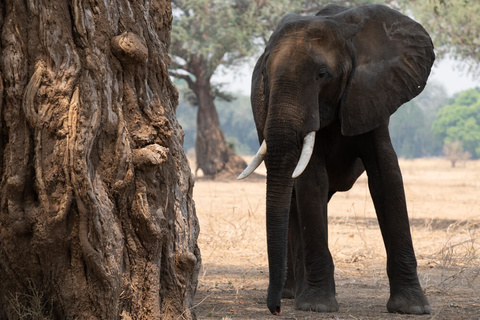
213	155
96	214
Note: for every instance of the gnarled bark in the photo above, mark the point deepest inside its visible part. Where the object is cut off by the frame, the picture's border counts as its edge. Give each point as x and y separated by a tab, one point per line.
96	212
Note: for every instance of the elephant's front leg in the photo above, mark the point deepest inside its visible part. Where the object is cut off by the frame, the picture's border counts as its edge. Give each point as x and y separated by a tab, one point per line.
386	187
314	270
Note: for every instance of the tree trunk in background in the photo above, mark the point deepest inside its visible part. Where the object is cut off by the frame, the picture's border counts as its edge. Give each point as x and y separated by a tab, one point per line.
212	153
96	214
210	145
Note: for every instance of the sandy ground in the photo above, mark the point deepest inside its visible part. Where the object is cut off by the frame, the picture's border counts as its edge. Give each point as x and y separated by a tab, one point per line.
444	211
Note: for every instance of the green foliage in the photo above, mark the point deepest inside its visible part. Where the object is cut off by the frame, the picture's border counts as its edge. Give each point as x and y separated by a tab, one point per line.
410	125
460	120
214	31
453	25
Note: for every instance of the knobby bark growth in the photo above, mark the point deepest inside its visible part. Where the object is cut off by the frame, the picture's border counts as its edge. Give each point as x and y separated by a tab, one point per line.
96	212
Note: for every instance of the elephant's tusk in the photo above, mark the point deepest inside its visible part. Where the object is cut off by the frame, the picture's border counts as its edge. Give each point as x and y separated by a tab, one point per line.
307	150
255	162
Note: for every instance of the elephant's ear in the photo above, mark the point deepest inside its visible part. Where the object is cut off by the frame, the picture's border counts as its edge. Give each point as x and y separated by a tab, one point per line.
258	96
393	56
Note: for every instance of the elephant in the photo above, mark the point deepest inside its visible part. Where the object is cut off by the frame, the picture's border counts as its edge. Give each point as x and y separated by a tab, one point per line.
322	94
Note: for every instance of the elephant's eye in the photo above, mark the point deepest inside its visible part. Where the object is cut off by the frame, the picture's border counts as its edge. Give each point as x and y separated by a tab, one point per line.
323	74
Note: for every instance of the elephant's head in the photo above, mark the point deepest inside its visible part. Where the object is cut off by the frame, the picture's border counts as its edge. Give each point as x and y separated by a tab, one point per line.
352	66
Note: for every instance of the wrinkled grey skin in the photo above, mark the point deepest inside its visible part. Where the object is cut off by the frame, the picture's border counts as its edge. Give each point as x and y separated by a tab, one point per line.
341	73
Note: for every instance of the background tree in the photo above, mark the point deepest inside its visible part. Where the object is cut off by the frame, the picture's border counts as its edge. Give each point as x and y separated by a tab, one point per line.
207	34
454	152
459	120
96	213
453	25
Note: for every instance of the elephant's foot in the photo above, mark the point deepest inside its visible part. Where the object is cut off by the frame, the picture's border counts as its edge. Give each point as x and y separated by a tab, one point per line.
316	300
410	300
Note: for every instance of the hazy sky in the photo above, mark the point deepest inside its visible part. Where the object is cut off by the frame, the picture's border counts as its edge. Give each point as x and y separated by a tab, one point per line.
447	72
450	74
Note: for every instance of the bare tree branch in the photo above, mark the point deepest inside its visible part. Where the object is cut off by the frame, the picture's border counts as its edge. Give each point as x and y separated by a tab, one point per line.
186	77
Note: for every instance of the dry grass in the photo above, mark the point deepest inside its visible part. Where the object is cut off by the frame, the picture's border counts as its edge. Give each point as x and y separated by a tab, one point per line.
444	210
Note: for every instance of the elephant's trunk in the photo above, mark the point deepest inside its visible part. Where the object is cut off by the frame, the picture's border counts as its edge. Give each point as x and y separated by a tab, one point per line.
279	193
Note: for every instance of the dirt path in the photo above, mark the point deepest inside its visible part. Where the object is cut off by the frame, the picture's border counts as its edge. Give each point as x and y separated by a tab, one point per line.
444	210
